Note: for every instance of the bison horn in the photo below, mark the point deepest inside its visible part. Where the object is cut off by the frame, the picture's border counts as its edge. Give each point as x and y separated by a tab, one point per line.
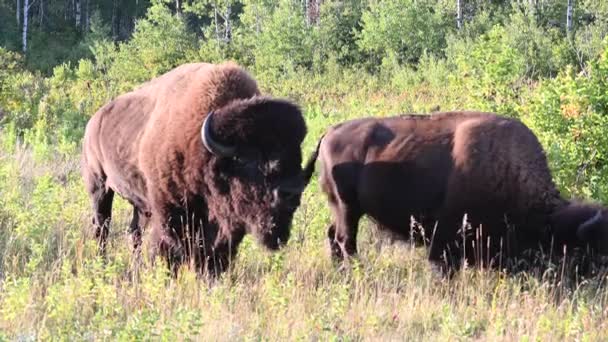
212	145
584	230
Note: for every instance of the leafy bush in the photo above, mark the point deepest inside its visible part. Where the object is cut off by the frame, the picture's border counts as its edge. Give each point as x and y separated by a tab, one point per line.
569	115
336	33
404	28
160	42
488	70
284	43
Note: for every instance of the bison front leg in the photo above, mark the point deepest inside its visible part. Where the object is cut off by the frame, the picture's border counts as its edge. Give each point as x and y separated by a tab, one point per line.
166	244
222	252
342	233
445	249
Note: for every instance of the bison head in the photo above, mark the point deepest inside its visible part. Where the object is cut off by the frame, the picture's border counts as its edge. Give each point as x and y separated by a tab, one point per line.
255	161
594	231
582	225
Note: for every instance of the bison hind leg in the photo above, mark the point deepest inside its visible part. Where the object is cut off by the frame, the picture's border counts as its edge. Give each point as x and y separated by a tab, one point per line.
102	206
342	234
334	248
445	253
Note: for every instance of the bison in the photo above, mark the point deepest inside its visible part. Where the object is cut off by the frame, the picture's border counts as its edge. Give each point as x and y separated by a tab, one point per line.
202	156
437	168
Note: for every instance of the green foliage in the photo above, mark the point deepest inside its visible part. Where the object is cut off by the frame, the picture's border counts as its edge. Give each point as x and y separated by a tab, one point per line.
404	28
284	42
490	70
21	96
10	63
569	112
543	50
48	49
9	31
159	43
336	33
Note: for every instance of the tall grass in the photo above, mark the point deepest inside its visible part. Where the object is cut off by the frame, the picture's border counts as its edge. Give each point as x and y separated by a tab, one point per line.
53	285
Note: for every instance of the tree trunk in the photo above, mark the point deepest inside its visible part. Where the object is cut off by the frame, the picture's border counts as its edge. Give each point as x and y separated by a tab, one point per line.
178	8
87	15
217	25
228	32
26	9
68	10
41	13
115	19
18	13
459	14
313	11
77	15
569	11
307	11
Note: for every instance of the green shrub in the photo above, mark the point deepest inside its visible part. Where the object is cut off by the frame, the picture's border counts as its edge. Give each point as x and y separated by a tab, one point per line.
569	114
404	28
488	70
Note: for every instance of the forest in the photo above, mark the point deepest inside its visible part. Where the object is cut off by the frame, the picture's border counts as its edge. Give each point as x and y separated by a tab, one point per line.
544	62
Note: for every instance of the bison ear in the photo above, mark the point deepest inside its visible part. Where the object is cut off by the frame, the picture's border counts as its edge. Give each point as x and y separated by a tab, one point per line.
585	230
213	145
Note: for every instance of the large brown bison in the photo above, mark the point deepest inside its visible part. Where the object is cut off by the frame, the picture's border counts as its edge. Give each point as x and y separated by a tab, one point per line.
205	158
437	168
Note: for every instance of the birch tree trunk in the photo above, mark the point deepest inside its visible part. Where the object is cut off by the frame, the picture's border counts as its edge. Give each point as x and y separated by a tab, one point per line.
26	9
18	13
41	13
78	14
178	7
217	25
228	25
569	11
68	10
313	11
115	19
459	14
87	15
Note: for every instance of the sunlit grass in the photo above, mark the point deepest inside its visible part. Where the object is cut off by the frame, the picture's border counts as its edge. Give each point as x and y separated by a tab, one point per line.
53	285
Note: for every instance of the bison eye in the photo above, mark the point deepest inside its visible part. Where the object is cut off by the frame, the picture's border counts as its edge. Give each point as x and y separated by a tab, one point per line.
246	165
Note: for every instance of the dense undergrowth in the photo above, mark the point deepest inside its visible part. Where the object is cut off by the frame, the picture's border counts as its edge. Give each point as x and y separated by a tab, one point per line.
53	285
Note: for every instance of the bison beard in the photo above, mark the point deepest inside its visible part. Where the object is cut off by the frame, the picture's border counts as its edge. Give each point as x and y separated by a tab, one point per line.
204	158
437	168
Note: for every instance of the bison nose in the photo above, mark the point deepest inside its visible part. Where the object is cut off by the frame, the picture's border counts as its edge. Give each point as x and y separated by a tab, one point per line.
285	196
288	193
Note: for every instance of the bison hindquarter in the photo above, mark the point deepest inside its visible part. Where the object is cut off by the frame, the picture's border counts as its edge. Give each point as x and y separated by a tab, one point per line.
203	157
437	168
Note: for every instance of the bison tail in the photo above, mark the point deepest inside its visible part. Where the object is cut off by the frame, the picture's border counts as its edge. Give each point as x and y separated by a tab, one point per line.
309	169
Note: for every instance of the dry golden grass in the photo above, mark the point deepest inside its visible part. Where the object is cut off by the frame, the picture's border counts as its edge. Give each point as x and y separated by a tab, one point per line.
53	287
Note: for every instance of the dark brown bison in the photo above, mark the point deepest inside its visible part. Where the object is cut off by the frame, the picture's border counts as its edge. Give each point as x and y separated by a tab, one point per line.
199	153
437	168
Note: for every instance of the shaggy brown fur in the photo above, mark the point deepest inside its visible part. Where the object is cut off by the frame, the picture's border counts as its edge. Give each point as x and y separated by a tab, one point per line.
439	167
146	146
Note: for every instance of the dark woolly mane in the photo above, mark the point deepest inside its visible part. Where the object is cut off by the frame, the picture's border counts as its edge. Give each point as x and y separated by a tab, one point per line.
260	121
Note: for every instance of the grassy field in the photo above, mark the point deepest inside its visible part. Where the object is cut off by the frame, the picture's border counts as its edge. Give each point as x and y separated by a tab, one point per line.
53	287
